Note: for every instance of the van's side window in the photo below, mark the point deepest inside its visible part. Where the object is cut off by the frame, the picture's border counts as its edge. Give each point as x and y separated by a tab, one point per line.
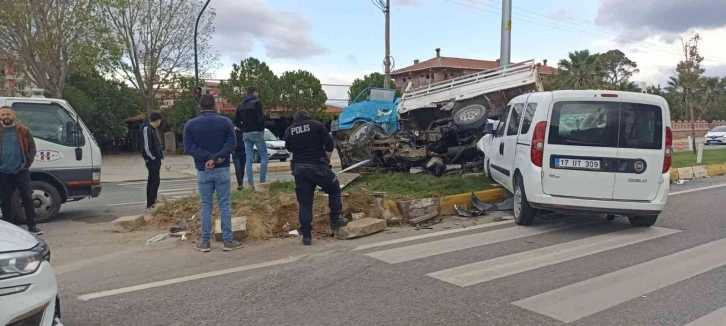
528	116
503	121
49	122
515	119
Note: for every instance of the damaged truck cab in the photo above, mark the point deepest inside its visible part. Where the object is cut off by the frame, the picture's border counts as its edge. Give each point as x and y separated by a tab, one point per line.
431	127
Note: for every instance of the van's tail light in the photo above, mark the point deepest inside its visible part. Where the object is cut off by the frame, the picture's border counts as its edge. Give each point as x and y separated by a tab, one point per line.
668	156
538	140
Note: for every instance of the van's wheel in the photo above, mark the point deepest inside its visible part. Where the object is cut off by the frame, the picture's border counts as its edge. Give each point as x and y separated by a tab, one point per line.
46	200
643	220
611	217
523	212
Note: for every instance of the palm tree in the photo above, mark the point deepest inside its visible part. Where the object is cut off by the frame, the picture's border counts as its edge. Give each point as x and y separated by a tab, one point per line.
676	97
581	71
708	95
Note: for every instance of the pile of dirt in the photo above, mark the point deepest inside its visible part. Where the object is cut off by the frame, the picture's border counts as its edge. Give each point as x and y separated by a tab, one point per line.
267	218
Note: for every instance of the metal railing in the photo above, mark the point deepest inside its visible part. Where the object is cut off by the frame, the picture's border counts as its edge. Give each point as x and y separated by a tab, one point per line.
474	78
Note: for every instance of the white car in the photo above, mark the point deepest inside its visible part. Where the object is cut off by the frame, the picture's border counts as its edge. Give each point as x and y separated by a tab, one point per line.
28	288
275	148
717	136
603	152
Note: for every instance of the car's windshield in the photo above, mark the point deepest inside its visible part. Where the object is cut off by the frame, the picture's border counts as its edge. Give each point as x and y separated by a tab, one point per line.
269	136
719	129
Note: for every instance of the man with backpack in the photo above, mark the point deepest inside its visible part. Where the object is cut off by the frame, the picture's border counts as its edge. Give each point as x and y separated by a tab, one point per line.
153	155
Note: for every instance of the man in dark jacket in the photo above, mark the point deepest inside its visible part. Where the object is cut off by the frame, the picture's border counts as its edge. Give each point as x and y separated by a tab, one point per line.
210	140
153	154
312	146
250	119
239	159
17	153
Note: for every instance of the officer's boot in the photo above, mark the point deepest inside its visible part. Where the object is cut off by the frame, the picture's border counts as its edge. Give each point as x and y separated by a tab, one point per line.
335	226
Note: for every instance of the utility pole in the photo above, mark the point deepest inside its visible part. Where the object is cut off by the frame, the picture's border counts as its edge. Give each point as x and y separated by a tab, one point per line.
387	81
196	58
385	6
506	45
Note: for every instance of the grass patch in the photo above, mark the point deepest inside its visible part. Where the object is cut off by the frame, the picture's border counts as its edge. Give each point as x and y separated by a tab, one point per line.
403	186
688	158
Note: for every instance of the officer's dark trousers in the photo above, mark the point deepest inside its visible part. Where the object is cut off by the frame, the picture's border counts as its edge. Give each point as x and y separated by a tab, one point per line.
307	177
153	182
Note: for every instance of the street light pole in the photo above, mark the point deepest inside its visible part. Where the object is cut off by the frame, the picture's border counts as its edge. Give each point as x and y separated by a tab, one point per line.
196	59
506	45
387	81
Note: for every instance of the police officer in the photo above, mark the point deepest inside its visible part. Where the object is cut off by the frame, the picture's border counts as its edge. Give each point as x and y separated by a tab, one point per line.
312	146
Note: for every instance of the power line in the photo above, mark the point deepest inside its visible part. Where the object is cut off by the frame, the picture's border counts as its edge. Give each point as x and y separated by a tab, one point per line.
572	30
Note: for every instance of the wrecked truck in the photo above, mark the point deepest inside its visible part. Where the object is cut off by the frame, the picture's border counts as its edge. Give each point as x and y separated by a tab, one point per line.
430	127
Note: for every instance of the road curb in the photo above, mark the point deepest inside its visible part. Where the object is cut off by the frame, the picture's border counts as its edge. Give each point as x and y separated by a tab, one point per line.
444	205
697	172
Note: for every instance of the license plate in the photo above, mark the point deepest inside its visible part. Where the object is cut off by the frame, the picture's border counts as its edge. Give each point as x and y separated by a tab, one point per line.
568	163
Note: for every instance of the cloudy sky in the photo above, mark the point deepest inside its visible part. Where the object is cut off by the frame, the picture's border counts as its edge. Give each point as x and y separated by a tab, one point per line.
340	40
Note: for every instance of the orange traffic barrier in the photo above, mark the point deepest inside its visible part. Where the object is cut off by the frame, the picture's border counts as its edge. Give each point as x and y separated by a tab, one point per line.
680	145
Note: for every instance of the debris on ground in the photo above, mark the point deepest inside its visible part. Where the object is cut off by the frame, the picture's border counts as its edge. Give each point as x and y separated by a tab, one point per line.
266	217
361	228
423	218
156	238
178	229
480	207
128	223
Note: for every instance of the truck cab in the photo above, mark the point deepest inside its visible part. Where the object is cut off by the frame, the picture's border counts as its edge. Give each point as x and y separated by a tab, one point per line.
67	164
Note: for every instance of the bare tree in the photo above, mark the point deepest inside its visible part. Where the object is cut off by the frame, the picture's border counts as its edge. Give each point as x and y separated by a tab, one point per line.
156	41
49	37
689	73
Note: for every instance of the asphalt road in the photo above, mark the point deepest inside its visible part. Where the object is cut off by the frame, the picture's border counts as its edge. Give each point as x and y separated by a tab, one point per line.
574	270
127	198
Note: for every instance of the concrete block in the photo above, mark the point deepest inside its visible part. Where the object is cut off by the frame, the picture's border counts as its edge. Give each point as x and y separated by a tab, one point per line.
360	228
128	223
685	173
264	189
700	172
416	208
714	169
239	229
674	175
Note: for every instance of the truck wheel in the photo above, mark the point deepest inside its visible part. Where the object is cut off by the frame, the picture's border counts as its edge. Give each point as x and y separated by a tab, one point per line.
523	213
643	220
471	117
46	199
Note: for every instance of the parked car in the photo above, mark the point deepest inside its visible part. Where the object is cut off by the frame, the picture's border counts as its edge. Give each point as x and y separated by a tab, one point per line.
275	148
28	288
589	151
716	136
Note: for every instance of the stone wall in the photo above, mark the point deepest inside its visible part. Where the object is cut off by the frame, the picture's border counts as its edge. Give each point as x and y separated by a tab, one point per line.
682	129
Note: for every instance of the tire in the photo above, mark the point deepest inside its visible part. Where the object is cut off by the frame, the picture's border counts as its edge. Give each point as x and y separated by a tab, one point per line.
361	134
283	160
643	220
256	157
471	117
610	217
523	212
47	201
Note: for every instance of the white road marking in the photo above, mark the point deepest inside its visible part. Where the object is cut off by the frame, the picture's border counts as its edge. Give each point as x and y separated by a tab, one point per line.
504	266
152	285
715	318
429	235
696	189
129	203
398	255
143	183
585	298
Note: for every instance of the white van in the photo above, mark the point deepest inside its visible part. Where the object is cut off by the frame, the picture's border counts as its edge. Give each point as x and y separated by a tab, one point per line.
590	151
67	164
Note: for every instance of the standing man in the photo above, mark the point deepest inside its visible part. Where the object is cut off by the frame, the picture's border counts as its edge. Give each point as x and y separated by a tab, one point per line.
239	159
152	153
312	146
17	153
210	139
250	119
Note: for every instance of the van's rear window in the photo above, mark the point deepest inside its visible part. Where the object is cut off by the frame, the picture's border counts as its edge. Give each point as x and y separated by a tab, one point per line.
607	124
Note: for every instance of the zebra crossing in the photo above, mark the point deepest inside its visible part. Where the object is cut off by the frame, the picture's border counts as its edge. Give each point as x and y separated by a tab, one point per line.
571	302
168	189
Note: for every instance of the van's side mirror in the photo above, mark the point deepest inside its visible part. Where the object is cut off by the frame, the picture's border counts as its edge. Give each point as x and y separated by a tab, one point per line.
489	128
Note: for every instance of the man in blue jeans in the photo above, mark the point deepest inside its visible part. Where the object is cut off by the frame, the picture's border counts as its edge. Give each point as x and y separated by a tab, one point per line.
210	139
250	119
